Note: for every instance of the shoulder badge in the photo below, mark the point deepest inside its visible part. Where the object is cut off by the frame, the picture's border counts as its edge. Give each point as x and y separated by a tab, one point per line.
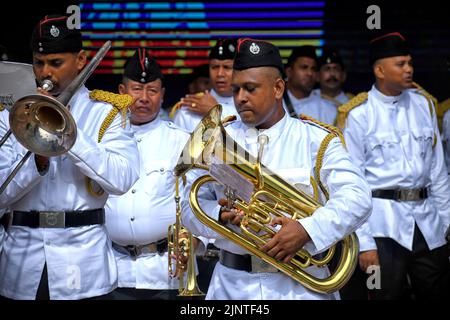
344	109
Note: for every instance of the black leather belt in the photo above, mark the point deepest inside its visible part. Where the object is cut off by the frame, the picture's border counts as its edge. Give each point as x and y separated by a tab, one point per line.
58	219
134	251
245	262
402	194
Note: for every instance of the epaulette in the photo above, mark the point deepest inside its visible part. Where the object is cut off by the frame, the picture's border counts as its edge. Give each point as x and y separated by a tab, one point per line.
322	125
441	109
227	120
2	107
178	105
424	92
120	102
344	109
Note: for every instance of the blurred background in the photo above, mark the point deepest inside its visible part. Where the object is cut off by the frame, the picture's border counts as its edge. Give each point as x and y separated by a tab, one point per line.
179	34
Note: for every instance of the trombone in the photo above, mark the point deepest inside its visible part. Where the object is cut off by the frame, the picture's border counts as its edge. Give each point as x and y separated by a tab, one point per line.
42	124
182	246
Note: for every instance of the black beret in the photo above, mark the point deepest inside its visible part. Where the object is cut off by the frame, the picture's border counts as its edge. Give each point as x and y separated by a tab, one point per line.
142	67
389	45
253	53
224	49
302	51
329	55
51	35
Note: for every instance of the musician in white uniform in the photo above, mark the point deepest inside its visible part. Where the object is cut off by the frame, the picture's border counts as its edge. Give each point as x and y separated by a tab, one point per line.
291	152
392	135
137	222
194	107
57	246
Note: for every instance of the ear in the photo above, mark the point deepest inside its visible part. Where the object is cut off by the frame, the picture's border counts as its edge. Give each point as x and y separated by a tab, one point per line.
279	88
122	89
378	70
81	60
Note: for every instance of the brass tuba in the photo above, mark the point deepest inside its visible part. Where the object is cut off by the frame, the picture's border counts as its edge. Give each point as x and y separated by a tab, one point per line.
43	124
180	244
210	147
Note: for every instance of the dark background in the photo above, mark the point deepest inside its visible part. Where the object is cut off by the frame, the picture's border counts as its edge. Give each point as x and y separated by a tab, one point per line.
426	25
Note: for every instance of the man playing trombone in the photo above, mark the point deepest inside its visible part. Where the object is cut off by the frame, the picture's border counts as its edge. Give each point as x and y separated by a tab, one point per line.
57	246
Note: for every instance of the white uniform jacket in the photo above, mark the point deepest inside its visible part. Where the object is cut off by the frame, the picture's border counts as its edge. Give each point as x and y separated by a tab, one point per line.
395	142
291	153
144	213
80	260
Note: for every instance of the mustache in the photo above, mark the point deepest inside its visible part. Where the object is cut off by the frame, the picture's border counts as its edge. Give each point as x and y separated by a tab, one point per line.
334	79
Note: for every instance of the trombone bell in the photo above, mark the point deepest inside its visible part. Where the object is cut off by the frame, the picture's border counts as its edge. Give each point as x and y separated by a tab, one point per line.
43	125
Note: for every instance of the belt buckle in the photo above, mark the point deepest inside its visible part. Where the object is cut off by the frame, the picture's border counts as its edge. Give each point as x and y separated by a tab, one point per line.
408	195
52	219
259	265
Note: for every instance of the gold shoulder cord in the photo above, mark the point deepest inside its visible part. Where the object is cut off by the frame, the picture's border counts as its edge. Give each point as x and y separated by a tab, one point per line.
344	109
120	103
441	109
333	133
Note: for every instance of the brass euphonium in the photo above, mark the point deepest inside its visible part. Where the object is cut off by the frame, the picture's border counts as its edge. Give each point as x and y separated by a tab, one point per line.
270	196
42	124
180	244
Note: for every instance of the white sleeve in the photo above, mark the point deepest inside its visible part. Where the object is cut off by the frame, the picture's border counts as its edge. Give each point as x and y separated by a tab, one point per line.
113	163
350	202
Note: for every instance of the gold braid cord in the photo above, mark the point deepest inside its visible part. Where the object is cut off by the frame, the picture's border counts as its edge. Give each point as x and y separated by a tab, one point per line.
2	107
430	100
441	109
333	133
344	109
120	103
178	105
425	93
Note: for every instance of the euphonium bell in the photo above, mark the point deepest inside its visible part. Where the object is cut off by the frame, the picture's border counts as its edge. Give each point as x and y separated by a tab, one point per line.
211	148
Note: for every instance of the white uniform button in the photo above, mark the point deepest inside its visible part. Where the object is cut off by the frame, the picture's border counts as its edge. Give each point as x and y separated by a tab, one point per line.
133	191
139	140
132	218
161	170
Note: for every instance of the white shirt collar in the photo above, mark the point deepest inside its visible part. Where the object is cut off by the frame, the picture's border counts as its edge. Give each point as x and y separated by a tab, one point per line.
390	100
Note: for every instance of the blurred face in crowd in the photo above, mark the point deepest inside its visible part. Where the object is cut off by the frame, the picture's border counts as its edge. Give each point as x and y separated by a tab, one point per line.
394	74
148	98
59	68
220	73
257	94
199	84
332	77
302	74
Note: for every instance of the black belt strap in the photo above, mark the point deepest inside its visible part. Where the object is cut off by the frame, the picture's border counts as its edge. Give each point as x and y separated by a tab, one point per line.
401	194
290	107
58	219
236	261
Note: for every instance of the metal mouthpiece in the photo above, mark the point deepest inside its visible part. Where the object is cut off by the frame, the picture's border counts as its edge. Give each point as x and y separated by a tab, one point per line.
47	85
